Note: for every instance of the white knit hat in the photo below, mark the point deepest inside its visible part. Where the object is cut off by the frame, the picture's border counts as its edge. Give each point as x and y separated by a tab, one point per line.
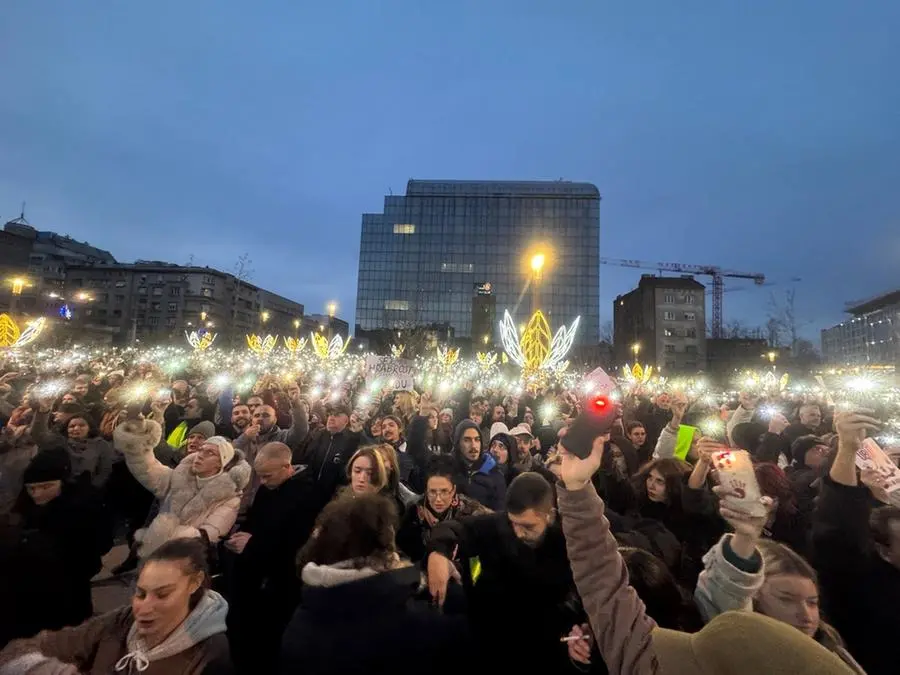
499	428
226	449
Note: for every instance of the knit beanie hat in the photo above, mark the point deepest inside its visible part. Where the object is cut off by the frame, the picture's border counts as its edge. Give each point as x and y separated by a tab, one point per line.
498	428
226	449
396	421
447	411
801	446
48	465
205	428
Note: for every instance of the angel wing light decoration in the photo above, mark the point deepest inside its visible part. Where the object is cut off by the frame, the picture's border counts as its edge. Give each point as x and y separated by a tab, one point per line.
200	340
13	337
535	349
261	346
294	345
326	350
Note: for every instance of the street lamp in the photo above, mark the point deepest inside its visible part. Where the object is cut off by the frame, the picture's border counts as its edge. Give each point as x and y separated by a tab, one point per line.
538	260
332	309
81	296
296	324
264	315
487	338
636	348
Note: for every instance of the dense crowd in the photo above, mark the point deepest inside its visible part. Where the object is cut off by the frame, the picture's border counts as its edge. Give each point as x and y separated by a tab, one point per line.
277	529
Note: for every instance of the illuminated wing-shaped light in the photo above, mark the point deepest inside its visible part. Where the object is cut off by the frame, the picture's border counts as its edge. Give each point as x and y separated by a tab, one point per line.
269	343
320	345
509	336
30	334
337	346
562	343
536	342
9	331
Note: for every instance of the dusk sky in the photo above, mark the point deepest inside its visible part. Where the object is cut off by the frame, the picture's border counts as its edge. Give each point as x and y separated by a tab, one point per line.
761	136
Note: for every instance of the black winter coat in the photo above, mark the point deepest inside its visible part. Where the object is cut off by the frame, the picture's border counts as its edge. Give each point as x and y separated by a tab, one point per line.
48	555
519	597
373	625
860	590
326	456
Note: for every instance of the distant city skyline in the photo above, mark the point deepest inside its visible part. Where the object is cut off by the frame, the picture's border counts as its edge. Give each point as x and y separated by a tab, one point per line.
764	142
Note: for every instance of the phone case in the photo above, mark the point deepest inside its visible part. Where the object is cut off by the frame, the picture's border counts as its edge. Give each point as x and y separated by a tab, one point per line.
736	473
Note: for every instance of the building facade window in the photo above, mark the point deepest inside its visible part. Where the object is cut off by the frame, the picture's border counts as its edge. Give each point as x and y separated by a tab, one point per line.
206	292
175	291
690	316
404	229
398	305
157	290
669	349
669	299
120	283
667	332
689	299
170	322
690	332
668	316
173	306
465	268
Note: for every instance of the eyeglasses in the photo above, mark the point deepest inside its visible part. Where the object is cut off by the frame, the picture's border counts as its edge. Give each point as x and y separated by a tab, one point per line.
443	494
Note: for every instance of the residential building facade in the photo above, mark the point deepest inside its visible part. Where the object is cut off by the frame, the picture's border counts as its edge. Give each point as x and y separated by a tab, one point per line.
156	301
662	323
869	337
421	258
39	259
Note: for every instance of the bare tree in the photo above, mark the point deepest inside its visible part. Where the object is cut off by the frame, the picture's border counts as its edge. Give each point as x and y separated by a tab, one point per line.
606	332
242	273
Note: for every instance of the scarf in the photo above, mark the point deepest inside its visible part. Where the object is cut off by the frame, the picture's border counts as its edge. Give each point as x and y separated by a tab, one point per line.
525	462
206	619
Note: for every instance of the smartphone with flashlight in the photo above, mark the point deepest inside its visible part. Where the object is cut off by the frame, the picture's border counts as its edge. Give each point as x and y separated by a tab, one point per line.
597	418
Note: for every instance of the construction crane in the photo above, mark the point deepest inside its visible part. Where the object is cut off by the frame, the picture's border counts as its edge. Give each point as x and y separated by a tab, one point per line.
718	280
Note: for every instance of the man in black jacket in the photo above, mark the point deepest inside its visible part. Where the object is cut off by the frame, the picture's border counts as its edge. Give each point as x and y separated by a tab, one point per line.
264	584
517	578
328	451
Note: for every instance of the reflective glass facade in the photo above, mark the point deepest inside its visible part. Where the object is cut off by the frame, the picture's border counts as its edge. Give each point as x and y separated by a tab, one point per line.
421	260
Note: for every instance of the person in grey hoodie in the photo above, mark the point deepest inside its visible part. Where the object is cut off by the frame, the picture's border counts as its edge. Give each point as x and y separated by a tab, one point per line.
180	632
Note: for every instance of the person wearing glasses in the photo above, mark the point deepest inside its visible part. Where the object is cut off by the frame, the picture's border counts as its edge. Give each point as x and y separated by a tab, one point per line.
441	502
199	498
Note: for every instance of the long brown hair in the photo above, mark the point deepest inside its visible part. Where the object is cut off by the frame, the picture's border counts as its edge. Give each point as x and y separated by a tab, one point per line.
380	479
674	471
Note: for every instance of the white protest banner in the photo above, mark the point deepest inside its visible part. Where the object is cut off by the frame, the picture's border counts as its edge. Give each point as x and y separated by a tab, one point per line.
387	371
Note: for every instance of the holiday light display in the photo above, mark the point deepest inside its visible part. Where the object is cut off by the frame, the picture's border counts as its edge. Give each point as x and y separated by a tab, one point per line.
200	340
447	356
13	337
326	350
536	350
486	360
397	350
294	345
262	346
637	374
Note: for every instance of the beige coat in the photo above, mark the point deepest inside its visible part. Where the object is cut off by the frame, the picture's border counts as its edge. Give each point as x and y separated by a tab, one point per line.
187	504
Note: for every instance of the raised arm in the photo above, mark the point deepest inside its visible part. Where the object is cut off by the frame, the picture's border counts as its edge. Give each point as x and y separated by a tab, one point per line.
136	439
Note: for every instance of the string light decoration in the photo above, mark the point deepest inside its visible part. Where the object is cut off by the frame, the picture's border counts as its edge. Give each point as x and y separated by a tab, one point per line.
447	356
294	345
397	350
486	360
535	350
200	340
13	337
262	346
637	374
326	350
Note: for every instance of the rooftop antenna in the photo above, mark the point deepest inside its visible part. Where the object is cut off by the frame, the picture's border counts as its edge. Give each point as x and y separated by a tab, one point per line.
21	219
390	192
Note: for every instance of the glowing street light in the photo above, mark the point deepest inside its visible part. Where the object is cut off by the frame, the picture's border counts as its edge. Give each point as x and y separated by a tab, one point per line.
18	285
332	309
296	323
538	260
81	296
264	315
537	263
636	348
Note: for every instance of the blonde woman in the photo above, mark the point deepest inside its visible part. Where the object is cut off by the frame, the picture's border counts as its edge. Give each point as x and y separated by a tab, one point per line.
745	572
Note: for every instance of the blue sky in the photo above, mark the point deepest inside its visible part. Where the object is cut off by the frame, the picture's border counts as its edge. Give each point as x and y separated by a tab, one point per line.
763	139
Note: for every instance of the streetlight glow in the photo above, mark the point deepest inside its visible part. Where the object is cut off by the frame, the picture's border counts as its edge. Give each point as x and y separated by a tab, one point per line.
537	262
332	309
264	316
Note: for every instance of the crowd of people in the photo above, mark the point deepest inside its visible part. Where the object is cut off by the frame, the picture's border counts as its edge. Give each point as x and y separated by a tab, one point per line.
277	530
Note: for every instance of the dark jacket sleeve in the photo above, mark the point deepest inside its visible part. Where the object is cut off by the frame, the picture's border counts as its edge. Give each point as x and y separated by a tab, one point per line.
772	447
466	537
841	540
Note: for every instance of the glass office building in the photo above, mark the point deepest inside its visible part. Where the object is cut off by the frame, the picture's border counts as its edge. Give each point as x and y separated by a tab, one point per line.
433	252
